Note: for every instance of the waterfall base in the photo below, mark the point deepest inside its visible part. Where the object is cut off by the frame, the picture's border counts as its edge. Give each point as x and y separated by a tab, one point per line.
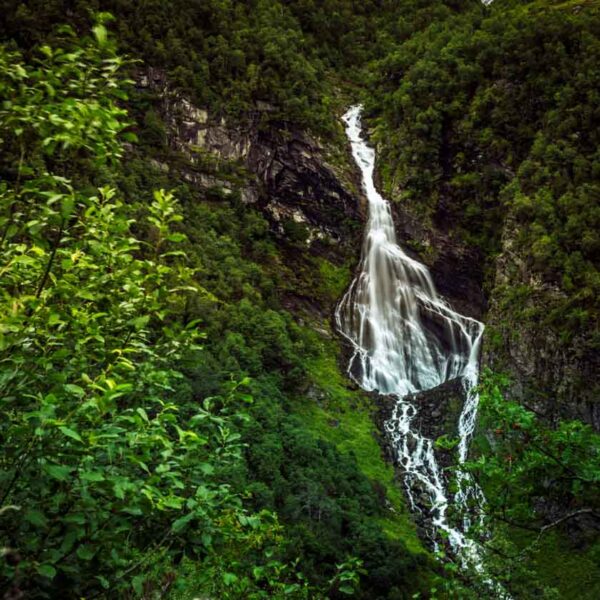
438	414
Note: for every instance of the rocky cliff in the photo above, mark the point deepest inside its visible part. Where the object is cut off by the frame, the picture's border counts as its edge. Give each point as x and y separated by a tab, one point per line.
304	186
556	377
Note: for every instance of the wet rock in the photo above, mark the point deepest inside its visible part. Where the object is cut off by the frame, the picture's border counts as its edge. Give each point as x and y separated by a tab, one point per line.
438	409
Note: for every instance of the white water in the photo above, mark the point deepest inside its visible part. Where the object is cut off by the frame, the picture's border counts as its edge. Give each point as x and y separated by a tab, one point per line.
406	338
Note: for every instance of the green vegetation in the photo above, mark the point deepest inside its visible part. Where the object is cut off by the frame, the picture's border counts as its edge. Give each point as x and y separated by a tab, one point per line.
541	485
493	114
175	420
129	452
227	55
346	418
556	465
109	463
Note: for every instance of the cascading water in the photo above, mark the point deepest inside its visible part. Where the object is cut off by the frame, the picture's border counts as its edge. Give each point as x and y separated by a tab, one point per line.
407	339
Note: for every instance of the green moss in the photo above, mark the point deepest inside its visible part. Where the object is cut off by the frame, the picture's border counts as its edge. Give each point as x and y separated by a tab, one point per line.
344	417
334	279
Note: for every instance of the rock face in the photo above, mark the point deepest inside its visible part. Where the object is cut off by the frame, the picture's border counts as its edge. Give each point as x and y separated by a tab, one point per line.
438	414
457	270
556	378
293	181
439	409
279	168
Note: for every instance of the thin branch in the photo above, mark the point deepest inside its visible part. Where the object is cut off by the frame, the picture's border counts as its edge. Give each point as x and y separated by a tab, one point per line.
51	259
559	462
576	513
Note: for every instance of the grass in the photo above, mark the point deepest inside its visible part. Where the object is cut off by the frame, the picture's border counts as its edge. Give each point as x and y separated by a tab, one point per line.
333	279
345	418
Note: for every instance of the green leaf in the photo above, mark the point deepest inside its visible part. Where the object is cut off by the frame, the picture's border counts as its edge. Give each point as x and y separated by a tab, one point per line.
129	136
77	518
229	578
36	517
138	584
136	511
176	237
60	472
86	552
46	571
75	389
206	468
67	206
100	34
54	319
71	433
91	476
291	588
181	523
140	322
119	490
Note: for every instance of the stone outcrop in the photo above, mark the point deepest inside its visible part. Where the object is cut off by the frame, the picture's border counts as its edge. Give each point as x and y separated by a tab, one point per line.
281	169
457	270
438	414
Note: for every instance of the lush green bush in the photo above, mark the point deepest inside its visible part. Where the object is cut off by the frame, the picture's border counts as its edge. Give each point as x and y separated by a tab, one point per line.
541	486
108	467
529	468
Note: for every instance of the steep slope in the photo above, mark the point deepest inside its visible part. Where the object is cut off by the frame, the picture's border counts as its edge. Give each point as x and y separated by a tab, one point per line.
486	125
484	135
301	197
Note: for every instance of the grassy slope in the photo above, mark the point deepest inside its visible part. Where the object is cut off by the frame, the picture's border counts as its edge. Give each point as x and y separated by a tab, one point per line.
575	573
345	418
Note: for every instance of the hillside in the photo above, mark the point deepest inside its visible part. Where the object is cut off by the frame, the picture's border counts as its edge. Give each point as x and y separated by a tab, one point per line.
181	216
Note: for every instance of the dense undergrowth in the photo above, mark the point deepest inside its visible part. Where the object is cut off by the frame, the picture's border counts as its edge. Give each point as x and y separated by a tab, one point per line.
129	448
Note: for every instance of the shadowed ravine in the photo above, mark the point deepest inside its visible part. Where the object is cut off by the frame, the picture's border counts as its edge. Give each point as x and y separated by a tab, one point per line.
407	339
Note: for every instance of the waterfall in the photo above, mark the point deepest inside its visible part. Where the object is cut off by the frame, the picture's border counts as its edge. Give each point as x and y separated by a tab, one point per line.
405	339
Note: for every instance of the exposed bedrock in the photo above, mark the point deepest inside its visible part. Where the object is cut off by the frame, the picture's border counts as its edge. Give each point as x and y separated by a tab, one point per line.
438	412
457	270
557	378
300	183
